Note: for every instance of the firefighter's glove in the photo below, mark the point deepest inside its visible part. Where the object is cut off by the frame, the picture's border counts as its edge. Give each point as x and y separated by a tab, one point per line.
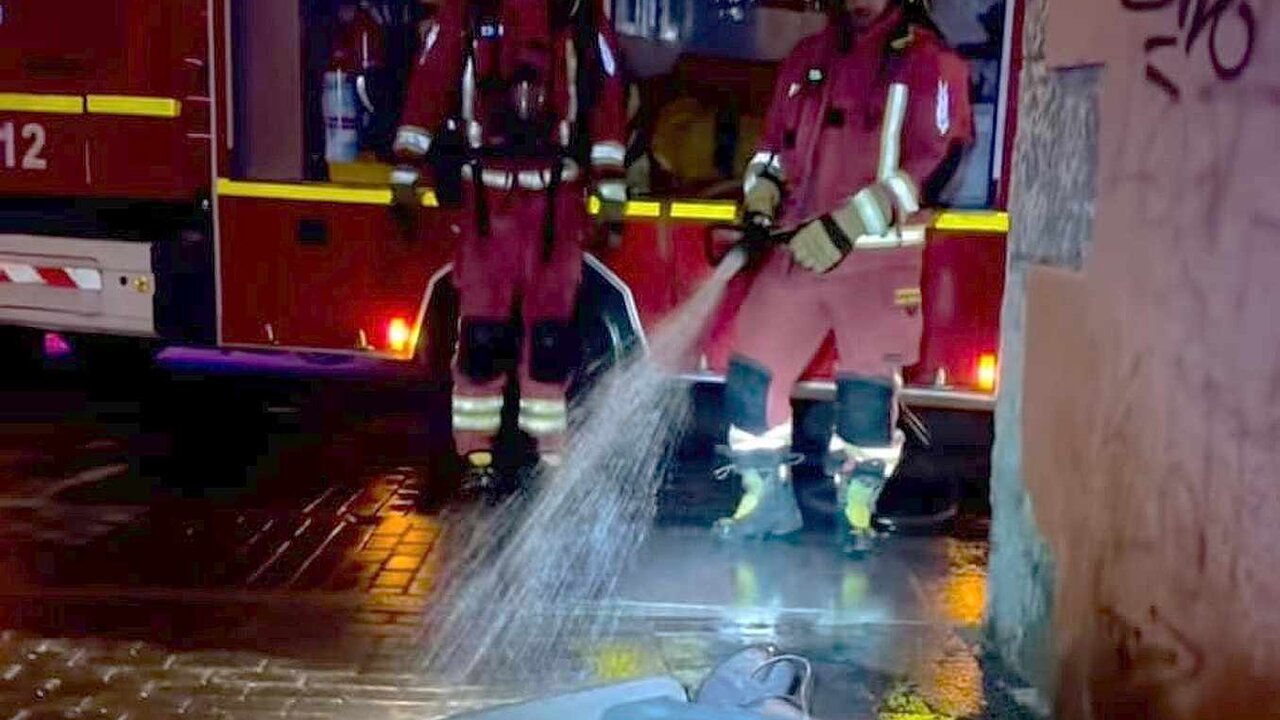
824	243
613	200
763	195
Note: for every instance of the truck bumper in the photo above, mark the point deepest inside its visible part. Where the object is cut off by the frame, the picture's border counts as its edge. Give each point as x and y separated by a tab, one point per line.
77	285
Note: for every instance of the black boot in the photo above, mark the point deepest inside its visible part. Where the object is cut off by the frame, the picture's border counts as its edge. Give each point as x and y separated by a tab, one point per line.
768	505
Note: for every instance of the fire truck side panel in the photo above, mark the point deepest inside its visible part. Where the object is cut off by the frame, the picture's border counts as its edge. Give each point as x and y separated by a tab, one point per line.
44	154
129	79
644	261
324	275
962	287
105	165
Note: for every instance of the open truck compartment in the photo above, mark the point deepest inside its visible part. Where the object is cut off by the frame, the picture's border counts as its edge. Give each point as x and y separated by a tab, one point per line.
306	263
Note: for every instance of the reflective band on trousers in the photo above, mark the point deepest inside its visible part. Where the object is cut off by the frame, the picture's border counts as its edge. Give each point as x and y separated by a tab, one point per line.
477	413
477	422
543	426
543	417
486	403
778	438
524	179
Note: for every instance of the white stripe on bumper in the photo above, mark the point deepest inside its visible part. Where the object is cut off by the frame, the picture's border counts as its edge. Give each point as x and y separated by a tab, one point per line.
22	274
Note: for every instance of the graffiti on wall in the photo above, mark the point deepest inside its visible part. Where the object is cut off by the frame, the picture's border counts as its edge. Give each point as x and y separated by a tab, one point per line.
1201	24
1150	648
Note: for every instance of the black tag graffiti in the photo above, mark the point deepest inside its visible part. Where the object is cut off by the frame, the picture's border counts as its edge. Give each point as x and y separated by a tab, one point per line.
1197	21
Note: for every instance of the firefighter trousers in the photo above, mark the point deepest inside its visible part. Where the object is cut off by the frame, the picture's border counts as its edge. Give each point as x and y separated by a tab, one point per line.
508	267
870	302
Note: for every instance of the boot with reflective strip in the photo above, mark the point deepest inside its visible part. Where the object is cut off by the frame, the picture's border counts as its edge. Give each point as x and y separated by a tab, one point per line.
860	475
857	493
768	506
479	475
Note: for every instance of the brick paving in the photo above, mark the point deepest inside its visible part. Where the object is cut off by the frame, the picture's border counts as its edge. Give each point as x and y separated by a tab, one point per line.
94	678
302	592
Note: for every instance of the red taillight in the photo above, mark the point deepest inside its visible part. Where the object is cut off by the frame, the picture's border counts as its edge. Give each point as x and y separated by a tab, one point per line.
398	335
56	346
987	371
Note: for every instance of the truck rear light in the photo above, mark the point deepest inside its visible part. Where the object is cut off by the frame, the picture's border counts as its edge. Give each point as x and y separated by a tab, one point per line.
56	346
398	335
987	371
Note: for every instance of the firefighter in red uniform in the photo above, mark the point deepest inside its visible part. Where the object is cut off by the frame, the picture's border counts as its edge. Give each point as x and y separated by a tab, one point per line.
518	106
869	116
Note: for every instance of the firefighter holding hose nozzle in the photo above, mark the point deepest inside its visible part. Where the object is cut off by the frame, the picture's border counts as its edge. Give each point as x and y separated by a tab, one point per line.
869	118
517	109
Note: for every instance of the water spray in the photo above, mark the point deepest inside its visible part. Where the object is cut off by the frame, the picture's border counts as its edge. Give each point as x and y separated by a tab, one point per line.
525	587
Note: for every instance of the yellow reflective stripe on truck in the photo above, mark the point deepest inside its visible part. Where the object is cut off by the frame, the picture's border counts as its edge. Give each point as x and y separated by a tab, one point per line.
135	105
42	103
981	221
687	210
634	209
55	104
313	192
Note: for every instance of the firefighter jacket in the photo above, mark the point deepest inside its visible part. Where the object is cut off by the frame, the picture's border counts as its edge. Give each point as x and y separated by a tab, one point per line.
879	118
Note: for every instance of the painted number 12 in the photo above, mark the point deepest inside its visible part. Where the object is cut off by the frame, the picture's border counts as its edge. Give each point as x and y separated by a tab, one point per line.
33	136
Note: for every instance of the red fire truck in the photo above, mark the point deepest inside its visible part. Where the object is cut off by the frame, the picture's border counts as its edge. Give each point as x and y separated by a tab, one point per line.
169	172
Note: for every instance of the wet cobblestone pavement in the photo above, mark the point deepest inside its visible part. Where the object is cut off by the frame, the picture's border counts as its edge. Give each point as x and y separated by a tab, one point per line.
296	586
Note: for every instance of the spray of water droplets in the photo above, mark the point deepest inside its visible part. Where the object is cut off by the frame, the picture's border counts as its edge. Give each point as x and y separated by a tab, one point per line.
523	583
